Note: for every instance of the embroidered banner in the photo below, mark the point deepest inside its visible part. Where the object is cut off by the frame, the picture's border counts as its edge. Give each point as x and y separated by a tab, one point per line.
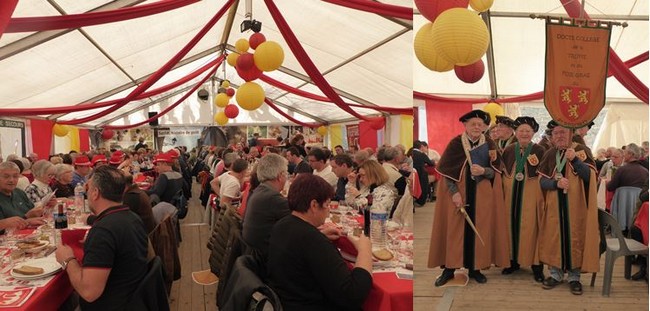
576	71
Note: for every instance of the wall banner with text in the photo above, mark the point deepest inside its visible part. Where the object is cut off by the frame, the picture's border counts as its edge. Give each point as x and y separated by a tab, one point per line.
576	71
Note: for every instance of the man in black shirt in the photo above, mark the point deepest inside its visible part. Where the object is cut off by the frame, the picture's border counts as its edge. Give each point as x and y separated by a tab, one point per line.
115	251
342	166
300	165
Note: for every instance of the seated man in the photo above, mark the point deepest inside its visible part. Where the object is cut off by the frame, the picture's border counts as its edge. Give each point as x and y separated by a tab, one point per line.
115	251
632	174
300	165
14	204
228	185
168	183
342	166
318	162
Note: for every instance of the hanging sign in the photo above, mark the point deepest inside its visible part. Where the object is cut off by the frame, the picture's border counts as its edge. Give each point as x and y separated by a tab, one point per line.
576	71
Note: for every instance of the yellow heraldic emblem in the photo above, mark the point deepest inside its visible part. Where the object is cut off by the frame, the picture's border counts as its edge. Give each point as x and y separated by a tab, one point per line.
533	160
493	155
581	155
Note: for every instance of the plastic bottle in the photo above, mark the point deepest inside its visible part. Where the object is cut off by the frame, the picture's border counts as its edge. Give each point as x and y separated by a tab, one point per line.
79	198
378	218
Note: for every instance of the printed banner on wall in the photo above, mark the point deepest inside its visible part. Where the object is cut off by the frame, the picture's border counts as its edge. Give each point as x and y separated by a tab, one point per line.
12	136
179	136
576	72
353	134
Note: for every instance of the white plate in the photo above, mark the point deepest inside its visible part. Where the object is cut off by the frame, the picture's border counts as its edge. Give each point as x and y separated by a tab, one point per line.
49	265
37	249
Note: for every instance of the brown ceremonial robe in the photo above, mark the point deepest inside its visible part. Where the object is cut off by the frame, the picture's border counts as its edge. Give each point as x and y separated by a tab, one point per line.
568	235
523	199
450	233
503	144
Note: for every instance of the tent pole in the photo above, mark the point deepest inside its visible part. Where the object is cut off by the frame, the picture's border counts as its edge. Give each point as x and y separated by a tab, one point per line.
490	57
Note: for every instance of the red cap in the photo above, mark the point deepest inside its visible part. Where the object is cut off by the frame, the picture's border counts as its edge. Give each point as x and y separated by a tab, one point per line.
117	154
115	159
98	158
82	161
173	153
163	157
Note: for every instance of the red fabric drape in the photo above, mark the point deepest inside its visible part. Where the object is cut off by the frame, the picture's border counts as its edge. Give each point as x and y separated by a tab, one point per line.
306	62
442	122
376	7
416	124
290	118
160	72
42	23
168	109
313	96
367	135
7	8
86	106
41	137
621	72
84	140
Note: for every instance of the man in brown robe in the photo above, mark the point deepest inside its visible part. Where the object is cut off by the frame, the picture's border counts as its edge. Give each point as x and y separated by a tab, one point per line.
568	237
475	186
506	131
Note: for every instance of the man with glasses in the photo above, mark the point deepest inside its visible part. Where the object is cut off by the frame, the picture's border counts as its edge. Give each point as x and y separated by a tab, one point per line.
14	204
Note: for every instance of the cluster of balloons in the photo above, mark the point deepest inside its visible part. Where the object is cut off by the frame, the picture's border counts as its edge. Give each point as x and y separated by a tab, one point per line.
267	56
455	38
222	100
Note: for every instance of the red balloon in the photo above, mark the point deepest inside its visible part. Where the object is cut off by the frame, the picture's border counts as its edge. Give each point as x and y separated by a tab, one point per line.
256	39
377	123
230	92
231	111
470	73
107	134
430	9
250	74
245	61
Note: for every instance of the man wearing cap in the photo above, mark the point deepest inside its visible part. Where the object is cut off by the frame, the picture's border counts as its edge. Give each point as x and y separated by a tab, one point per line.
81	170
579	136
523	197
506	132
568	228
99	160
471	165
168	183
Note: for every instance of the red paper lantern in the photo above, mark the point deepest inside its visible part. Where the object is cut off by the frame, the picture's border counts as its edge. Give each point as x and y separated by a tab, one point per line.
377	123
231	111
250	74
256	39
107	134
245	61
431	9
471	73
230	92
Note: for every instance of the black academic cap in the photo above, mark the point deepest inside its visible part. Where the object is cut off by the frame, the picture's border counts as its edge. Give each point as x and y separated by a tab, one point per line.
527	120
476	114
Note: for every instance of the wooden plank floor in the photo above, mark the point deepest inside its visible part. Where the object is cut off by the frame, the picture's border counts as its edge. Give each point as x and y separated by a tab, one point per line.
185	294
517	291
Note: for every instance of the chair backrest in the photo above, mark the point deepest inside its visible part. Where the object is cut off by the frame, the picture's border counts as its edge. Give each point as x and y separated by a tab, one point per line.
606	219
180	201
246	290
624	203
150	293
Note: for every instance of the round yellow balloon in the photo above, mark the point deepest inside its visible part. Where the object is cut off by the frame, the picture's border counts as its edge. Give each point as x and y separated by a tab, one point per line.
494	110
221	118
232	59
60	130
225	83
268	56
481	5
221	100
242	45
426	54
460	36
250	96
322	130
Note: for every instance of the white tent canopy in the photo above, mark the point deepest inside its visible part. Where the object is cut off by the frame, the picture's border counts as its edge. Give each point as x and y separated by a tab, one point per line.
365	57
518	50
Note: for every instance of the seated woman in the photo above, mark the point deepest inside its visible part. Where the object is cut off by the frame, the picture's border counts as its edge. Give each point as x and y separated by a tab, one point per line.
373	179
43	170
63	181
304	268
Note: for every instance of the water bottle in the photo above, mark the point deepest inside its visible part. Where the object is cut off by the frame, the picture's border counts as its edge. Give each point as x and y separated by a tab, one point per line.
79	198
378	218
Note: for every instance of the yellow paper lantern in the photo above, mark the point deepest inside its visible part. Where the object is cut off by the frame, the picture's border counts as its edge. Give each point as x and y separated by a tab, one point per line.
232	59
268	56
60	130
221	100
481	5
242	45
322	130
221	118
250	96
225	83
426	54
494	110
460	36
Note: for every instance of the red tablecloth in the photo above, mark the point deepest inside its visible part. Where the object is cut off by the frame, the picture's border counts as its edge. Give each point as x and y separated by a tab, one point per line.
50	296
641	221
